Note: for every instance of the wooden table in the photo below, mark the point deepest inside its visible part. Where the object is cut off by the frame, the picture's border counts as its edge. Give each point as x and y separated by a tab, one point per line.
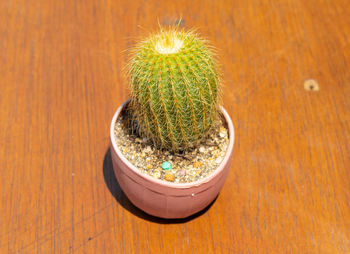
287	88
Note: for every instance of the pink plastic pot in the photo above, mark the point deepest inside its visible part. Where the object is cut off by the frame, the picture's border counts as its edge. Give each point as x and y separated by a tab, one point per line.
167	199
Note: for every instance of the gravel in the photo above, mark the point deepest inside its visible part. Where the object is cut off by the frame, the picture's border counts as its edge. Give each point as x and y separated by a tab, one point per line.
186	167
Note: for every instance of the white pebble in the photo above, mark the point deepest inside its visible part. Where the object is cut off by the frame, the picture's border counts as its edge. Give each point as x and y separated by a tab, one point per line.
157	174
218	160
223	132
148	149
202	149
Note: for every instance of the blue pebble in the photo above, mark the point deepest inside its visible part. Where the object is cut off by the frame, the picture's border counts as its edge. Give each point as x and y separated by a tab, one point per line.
166	165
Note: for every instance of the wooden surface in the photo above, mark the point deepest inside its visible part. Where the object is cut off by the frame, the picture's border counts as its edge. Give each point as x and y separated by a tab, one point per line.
61	80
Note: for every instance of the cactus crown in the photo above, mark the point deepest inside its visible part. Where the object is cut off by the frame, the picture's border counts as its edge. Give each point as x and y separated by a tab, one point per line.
174	88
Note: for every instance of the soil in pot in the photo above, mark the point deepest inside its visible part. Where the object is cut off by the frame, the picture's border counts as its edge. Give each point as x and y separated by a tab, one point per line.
186	167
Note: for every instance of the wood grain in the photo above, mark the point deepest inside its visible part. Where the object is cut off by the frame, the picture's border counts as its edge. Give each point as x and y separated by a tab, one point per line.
61	79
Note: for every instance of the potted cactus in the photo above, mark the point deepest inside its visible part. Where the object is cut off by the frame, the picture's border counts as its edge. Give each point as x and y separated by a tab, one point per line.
174	108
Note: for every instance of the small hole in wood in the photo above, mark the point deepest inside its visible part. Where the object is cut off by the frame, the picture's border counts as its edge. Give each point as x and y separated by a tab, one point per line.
311	85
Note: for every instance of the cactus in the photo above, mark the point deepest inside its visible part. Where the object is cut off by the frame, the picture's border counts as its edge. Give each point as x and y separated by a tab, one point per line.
174	88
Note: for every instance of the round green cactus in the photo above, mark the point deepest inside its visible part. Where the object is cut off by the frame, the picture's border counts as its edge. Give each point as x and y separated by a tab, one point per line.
174	88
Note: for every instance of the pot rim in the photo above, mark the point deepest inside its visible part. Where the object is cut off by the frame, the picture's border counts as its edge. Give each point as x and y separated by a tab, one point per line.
171	184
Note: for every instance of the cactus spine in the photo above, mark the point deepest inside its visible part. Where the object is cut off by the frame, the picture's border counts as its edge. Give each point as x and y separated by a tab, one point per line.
174	88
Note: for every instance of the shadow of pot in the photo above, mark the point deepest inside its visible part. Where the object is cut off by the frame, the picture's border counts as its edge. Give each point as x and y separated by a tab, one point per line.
167	199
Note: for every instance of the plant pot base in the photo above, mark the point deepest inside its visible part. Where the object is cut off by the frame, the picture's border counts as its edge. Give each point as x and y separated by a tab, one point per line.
166	199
